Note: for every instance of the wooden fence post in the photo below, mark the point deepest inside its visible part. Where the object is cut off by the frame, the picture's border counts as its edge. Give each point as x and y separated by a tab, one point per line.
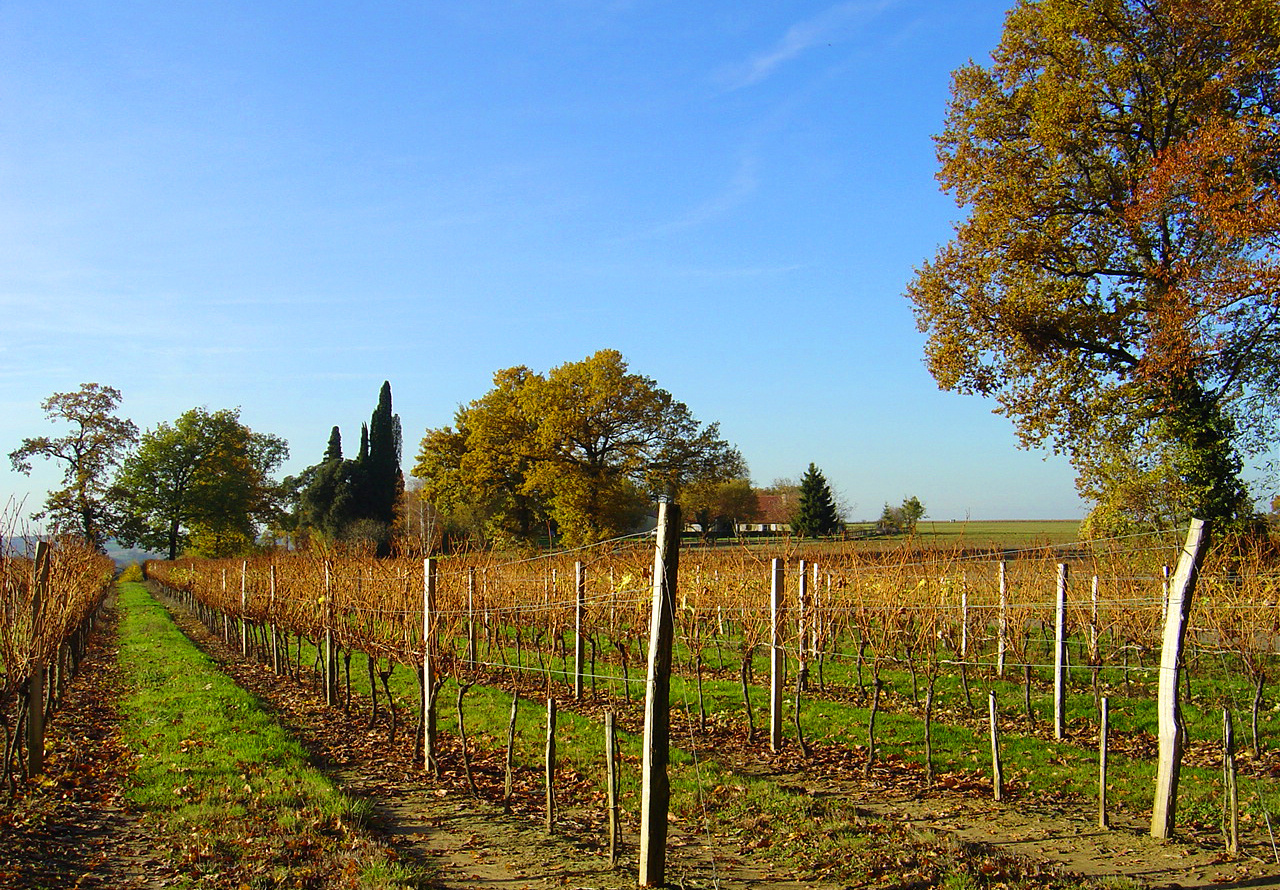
777	655
550	771
271	611
244	609
1060	655
428	663
611	784
35	685
802	626
1231	805
1176	614
1104	732
579	631
471	615
655	790
1002	625
330	681
997	771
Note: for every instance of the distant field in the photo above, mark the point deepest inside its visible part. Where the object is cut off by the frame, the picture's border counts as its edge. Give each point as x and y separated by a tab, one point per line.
1002	533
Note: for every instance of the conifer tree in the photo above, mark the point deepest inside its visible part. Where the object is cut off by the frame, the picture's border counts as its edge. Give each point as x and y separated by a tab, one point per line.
816	513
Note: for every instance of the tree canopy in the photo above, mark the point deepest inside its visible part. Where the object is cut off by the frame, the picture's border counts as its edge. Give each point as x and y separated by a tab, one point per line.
200	484
89	501
1114	285
586	447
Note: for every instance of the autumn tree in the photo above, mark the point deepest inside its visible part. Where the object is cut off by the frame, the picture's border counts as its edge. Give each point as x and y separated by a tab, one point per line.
816	513
201	483
89	453
1113	287
718	506
587	447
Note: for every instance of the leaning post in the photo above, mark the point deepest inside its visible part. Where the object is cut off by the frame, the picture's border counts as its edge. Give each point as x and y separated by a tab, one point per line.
655	790
1180	588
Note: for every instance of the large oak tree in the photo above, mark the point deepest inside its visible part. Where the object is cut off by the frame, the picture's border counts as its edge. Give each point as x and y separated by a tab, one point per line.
1114	286
585	446
201	483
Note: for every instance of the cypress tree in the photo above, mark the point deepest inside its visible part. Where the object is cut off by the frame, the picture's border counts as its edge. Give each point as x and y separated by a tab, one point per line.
382	462
816	513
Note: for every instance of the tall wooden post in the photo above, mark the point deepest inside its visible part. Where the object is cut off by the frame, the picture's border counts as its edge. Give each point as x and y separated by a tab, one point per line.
1104	734
611	785
330	681
1060	655
655	790
428	663
471	615
1002	627
244	608
997	769
550	765
579	631
802	627
35	685
1175	627
777	655
271	611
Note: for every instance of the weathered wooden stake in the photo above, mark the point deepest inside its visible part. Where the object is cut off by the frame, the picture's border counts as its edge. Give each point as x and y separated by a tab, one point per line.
1060	656
1002	627
611	785
655	790
1231	822
330	661
271	610
802	626
244	609
550	771
1104	732
428	663
511	750
579	631
1170	724
35	685
777	655
997	772
471	615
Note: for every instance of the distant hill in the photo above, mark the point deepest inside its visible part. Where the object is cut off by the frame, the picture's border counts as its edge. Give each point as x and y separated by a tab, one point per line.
25	545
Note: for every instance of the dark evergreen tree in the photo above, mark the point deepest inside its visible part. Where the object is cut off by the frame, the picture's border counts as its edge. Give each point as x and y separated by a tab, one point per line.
382	464
334	451
816	514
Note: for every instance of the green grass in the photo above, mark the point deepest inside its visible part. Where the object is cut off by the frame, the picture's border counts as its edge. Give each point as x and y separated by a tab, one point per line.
231	789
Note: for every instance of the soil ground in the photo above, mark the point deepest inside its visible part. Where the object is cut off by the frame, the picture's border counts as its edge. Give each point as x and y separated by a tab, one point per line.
74	829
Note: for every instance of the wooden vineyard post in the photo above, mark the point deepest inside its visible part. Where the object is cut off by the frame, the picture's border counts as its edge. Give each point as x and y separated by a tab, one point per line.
802	617
1171	738
655	790
244	609
611	784
550	771
35	685
1231	804
1060	655
428	663
271	611
511	752
777	664
1002	626
471	615
579	632
1104	731
330	681
997	771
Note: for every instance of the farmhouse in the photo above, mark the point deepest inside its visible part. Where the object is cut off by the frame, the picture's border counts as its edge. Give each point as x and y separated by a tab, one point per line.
773	515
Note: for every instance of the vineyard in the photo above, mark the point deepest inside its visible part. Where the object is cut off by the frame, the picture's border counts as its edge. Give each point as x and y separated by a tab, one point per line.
886	661
814	670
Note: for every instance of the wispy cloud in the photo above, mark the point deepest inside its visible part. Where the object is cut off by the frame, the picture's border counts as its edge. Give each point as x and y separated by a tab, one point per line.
742	184
832	25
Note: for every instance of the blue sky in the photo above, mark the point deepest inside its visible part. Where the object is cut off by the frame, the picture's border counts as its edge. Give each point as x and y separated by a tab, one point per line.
278	206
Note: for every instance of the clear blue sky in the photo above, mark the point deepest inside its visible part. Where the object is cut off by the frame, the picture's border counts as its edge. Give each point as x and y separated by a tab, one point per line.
278	206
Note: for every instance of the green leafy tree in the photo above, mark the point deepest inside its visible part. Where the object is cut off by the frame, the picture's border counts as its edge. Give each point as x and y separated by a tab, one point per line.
717	507
1113	285
816	513
585	447
202	483
89	453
